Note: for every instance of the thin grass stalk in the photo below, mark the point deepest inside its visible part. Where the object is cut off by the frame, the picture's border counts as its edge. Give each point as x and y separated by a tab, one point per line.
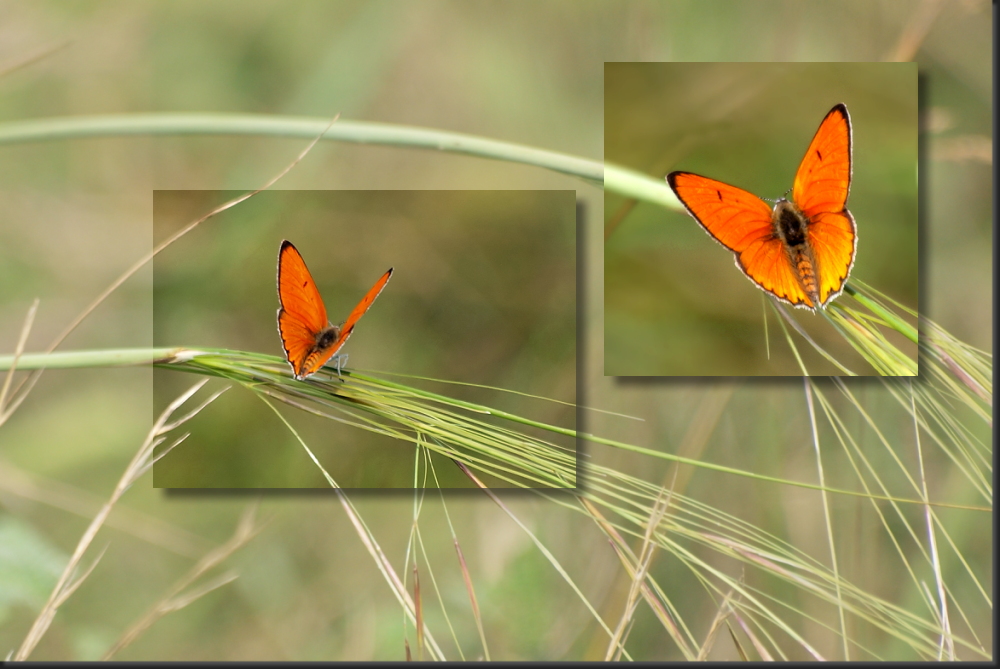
699	568
466	576
657	600
368	539
545	552
721	614
827	515
786	315
176	599
754	638
638	579
868	607
415	542
5	410
942	600
58	495
33	57
140	463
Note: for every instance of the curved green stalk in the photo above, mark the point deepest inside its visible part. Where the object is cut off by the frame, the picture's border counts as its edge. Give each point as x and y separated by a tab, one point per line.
71	127
102	358
630	183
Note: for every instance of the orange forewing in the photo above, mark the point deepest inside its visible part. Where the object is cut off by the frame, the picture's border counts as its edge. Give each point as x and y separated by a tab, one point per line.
802	250
307	336
824	175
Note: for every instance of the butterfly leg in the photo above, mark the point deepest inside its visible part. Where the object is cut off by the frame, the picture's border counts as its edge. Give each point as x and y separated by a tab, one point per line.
339	361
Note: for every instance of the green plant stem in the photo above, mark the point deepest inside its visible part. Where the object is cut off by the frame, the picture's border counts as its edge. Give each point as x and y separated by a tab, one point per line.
894	321
640	186
621	180
77	359
71	127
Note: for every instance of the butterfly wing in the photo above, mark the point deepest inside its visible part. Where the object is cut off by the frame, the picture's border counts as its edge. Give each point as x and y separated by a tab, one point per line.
357	312
822	184
319	357
302	315
741	222
834	241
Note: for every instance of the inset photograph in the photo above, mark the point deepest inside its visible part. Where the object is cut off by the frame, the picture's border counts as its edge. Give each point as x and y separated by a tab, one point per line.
365	336
784	237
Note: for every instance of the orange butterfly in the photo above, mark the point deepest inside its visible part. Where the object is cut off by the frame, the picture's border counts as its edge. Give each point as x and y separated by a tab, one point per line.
802	251
308	337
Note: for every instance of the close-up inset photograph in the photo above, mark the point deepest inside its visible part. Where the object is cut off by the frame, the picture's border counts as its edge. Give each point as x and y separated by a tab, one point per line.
806	174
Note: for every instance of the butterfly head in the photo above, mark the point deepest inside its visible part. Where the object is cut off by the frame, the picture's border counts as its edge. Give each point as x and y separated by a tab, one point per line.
789	223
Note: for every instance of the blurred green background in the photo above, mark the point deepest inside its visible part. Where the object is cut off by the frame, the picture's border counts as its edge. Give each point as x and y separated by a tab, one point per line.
75	214
483	292
674	302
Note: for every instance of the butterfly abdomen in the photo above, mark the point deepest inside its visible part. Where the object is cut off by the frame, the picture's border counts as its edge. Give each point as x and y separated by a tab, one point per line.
325	338
806	271
791	226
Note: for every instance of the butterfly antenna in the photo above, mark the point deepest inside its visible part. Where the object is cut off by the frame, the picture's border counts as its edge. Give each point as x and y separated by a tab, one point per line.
783	198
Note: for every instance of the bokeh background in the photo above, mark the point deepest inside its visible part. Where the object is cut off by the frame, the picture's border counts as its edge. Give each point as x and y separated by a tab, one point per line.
483	292
75	214
675	305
